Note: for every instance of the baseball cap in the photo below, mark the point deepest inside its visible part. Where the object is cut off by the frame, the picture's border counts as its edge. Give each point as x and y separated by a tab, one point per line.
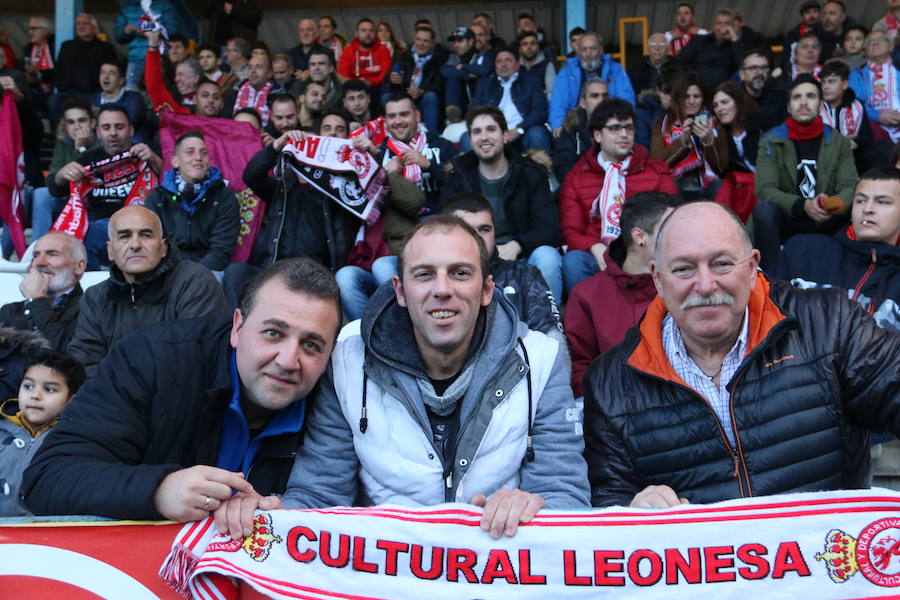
808	5
461	32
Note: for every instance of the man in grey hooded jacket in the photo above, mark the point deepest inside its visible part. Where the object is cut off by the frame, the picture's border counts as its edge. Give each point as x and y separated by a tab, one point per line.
439	394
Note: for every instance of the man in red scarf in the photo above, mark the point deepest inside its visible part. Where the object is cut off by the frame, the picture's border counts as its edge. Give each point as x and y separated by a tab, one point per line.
805	175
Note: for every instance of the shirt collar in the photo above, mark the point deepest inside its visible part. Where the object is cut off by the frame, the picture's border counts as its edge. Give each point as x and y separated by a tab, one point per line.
736	352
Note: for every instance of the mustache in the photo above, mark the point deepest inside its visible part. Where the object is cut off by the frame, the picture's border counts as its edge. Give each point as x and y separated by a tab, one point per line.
715	299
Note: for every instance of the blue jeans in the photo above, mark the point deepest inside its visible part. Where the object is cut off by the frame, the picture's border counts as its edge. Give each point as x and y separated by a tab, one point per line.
430	105
549	263
578	265
95	244
134	74
456	94
44	210
357	284
536	137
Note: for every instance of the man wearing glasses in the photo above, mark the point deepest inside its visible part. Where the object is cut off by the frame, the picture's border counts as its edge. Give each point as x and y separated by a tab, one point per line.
875	84
734	385
591	198
770	96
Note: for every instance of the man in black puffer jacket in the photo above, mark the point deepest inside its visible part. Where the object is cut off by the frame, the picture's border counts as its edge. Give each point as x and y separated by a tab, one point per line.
181	413
863	258
734	386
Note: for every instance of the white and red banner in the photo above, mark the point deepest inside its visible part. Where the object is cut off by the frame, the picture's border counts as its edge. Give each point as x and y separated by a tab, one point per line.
818	545
12	172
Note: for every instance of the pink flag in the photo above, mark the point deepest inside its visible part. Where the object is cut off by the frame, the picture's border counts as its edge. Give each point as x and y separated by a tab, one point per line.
231	145
12	172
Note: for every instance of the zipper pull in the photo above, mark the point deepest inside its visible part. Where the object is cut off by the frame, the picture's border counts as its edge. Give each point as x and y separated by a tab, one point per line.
735	474
448	480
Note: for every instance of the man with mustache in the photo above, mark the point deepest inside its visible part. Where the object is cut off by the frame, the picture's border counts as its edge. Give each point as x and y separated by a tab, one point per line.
734	385
51	289
805	175
754	73
147	284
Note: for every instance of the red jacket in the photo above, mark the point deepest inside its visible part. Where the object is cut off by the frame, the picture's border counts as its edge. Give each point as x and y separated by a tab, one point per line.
584	182
371	64
599	312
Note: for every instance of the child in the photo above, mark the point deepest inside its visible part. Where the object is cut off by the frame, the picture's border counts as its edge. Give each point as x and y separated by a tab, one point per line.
51	380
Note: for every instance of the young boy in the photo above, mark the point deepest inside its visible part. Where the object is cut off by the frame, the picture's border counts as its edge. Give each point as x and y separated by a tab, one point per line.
51	380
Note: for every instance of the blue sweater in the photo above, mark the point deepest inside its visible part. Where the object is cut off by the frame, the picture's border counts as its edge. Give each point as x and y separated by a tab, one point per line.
568	86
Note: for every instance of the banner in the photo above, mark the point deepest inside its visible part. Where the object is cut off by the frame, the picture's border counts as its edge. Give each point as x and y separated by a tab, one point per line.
231	145
84	560
12	172
350	177
121	174
818	545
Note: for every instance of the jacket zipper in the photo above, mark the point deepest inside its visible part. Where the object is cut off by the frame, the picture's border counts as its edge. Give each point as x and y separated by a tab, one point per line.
859	284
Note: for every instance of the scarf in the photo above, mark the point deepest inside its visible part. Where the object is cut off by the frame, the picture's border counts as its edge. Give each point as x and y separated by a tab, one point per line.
846	119
694	158
420	62
411	172
116	170
810	131
444	405
374	130
607	207
249	97
40	57
796	71
881	84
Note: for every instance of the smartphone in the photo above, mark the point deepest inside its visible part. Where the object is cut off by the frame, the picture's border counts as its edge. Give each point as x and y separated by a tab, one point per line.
702	117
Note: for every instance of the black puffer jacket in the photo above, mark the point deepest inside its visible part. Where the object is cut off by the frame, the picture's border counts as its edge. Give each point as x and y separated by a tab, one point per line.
870	271
155	406
529	204
177	289
819	373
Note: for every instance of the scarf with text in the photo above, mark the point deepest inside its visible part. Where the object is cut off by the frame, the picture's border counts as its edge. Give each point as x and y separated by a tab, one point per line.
805	545
607	207
250	97
881	85
846	119
694	158
41	57
120	169
676	45
375	130
411	172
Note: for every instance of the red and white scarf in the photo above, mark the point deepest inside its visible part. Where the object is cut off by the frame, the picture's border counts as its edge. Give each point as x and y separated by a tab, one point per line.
881	85
249	97
607	207
849	118
411	172
796	71
375	130
695	158
109	172
41	57
677	44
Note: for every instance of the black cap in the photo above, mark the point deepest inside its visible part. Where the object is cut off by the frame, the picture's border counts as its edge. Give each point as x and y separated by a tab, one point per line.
461	32
808	5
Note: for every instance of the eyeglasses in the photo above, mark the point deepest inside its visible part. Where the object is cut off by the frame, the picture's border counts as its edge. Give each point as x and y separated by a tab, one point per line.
657	44
872	42
756	68
617	129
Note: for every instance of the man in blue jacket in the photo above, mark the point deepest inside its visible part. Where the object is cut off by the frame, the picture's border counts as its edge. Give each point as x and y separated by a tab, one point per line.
590	63
520	97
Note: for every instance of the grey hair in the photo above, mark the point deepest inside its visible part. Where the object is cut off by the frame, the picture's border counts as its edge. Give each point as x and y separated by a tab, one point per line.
595	34
43	22
661	232
76	246
194	65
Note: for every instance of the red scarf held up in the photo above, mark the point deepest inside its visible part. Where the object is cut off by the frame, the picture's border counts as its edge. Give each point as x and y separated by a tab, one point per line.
810	131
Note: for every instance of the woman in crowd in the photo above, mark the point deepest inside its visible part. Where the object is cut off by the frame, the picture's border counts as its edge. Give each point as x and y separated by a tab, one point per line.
687	138
734	111
385	33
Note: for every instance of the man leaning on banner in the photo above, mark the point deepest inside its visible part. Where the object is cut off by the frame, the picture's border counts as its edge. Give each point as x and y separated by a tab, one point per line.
439	394
127	179
734	385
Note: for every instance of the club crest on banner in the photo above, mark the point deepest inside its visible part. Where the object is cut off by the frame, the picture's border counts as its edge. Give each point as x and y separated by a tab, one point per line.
257	545
875	553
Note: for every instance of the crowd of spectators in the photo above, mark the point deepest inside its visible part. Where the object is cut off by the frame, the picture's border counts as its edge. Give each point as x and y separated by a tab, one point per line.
559	235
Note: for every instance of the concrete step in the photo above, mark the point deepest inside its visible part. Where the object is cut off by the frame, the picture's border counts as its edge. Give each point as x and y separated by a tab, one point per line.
886	465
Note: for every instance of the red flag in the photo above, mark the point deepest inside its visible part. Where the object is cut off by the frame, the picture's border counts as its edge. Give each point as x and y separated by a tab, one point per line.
231	145
12	172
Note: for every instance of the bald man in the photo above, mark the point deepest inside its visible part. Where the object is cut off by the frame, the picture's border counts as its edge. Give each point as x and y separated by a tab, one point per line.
307	34
733	385
147	284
